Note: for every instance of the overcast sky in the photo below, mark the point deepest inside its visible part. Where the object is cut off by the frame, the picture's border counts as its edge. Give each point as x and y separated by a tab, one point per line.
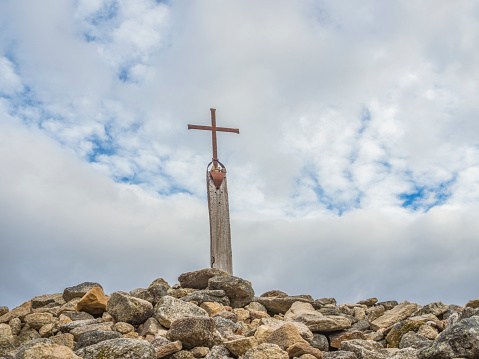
355	174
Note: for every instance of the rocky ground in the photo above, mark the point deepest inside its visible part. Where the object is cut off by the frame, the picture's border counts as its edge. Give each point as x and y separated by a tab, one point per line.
213	315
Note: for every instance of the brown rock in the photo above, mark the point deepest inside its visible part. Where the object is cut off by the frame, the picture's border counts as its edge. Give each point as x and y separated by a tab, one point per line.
93	302
274	294
168	349
337	338
285	336
51	351
128	309
65	339
473	303
200	352
239	347
123	328
266	351
299	308
199	279
395	315
46	331
38	320
428	332
375	313
369	302
193	331
299	349
254	314
46	299
324	324
18	312
212	307
280	305
79	331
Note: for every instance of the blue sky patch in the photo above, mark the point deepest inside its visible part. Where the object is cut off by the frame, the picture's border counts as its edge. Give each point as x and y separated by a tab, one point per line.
423	198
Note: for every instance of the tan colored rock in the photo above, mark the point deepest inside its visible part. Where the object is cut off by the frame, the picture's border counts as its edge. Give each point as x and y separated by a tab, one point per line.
18	312
254	314
65	339
262	333
79	331
285	336
303	329
200	352
212	307
266	351
38	320
359	313
395	315
336	339
307	356
168	349
324	324
241	314
16	325
240	346
50	351
375	313
5	331
473	303
297	309
123	328
428	331
93	302
280	305
46	331
299	349
131	335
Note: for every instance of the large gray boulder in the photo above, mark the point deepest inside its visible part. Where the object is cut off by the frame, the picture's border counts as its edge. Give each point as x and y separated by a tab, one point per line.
79	290
414	340
193	331
459	341
199	279
128	309
168	309
118	348
96	336
239	291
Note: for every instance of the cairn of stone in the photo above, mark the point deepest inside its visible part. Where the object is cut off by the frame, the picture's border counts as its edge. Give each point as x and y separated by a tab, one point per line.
211	314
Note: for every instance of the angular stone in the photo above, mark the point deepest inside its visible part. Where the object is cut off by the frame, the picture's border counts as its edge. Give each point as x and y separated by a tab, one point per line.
6	331
212	307
150	327
51	351
227	315
303	329
274	294
199	279
436	308
65	339
239	291
369	302
375	313
218	352
201	296
406	353
26	335
180	292
128	309
321	302
256	306
67	327
93	302
458	341
414	340
227	328
280	305
16	325
192	331
399	329
361	325
428	332
340	354
395	315
473	303
168	349
46	331
118	348
200	352
79	290
365	349
96	336
324	324
169	309
46	299
299	308
388	305
6	346
76	315
79	331
266	351
299	349
240	346
3	310
182	354
329	310
142	294
18	312
285	336
37	320
337	338
157	290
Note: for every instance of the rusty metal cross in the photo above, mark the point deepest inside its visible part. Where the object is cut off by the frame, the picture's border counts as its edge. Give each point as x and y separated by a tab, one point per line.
213	130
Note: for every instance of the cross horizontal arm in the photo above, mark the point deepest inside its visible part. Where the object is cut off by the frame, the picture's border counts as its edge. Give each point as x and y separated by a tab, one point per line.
209	128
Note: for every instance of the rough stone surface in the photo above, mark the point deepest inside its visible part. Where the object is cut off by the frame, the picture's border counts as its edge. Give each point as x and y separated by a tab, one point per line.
79	331
398	313
240	346
182	354
299	308
201	296
6	346
324	324
43	300
93	302
169	309
299	349
193	331
3	310
199	279
37	320
340	354
168	349
458	341
365	349
212	308
369	302
118	348
285	336
279	305
51	351
473	303
200	352
150	327
320	341
407	353
436	308
388	305
65	339
218	352
337	338
414	340
79	290
266	351
399	329
428	331
239	291
96	336
18	312
128	309
76	315
123	328
67	327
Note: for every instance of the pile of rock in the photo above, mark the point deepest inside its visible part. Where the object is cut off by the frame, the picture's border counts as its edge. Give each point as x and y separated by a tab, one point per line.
213	315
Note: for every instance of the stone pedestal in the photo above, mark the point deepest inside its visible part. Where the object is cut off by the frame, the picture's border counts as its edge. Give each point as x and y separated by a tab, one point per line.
220	235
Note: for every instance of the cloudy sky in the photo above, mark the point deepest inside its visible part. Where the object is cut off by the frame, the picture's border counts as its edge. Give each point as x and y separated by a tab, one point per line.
355	174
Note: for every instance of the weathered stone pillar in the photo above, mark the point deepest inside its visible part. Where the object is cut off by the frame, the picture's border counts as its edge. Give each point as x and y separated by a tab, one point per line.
220	235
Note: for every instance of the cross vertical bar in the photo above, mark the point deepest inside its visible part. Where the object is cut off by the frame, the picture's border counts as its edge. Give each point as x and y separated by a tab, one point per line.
213	135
